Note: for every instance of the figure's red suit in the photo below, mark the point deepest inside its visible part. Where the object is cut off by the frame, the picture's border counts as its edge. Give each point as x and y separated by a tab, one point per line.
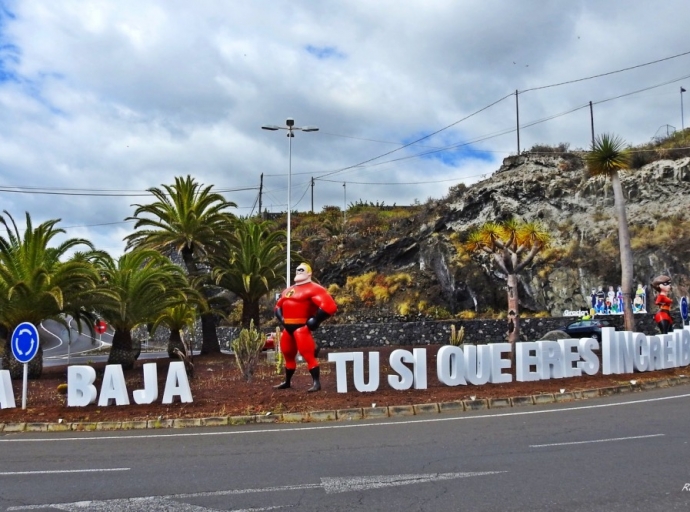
299	304
664	314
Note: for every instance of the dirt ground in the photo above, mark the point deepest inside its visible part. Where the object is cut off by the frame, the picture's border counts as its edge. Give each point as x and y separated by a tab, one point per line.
218	389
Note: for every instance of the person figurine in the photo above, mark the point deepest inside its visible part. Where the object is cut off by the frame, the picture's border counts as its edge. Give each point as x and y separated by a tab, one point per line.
619	300
300	310
593	298
600	307
662	284
640	292
637	304
610	300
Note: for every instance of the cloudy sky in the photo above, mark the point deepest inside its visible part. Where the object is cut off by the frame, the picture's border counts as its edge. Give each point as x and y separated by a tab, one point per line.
101	100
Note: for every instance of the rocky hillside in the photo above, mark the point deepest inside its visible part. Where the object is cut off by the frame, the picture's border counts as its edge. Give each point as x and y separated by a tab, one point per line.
389	262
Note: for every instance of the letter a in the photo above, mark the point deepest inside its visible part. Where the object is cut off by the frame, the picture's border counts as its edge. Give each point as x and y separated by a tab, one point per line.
6	393
177	384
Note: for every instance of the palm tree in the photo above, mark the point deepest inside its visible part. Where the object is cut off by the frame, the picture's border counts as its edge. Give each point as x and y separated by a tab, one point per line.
512	245
177	318
609	156
137	288
36	285
190	220
251	264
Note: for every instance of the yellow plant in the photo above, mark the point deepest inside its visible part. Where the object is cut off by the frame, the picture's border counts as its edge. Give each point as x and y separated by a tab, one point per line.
401	278
343	300
467	315
381	293
404	308
62	389
421	306
333	289
280	358
457	337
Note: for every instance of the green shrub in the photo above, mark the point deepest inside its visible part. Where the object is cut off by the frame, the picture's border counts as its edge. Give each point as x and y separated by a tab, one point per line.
247	348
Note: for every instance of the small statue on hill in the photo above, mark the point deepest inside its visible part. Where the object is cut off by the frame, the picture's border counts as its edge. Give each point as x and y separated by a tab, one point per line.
662	284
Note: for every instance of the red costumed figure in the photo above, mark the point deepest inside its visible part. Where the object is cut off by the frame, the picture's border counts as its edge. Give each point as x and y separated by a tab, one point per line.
662	284
300	310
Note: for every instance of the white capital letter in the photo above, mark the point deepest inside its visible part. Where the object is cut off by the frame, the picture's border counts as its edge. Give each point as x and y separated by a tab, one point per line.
498	363
113	386
450	365
177	384
341	359
404	378
6	392
80	389
150	391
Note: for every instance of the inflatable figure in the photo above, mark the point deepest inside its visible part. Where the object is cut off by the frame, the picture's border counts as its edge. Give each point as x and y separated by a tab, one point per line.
662	284
300	310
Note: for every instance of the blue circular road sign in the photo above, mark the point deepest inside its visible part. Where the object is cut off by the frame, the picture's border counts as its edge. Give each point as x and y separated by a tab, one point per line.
684	308
25	342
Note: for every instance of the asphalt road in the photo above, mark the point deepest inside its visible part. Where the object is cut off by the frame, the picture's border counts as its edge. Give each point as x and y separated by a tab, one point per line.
625	453
60	343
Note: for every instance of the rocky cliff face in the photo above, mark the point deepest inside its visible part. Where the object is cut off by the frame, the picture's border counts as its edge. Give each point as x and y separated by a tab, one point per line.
576	209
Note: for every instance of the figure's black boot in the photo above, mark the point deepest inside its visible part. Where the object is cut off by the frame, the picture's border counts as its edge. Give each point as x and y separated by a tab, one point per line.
316	386
288	378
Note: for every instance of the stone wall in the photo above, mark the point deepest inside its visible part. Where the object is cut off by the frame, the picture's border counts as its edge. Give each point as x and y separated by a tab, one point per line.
438	332
361	335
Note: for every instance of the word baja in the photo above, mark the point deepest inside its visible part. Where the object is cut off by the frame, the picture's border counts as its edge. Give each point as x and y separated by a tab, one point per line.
82	392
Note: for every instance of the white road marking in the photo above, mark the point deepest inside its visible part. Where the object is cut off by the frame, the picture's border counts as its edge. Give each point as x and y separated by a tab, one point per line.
331	485
596	441
58	471
129	437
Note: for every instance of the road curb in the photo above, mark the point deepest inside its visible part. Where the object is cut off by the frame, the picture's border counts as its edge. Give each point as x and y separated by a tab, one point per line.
373	412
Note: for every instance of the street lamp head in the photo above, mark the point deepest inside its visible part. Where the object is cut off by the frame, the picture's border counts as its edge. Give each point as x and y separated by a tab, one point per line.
310	129
290	122
271	127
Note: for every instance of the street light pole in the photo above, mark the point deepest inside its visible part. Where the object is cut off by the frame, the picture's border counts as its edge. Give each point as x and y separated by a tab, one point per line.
682	120
291	128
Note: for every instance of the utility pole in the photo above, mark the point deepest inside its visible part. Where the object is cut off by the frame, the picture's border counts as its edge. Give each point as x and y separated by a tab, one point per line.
682	119
591	118
517	116
344	203
261	188
312	194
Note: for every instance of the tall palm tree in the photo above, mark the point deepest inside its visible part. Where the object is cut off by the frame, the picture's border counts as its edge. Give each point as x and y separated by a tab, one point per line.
251	264
512	245
35	284
190	220
608	156
137	288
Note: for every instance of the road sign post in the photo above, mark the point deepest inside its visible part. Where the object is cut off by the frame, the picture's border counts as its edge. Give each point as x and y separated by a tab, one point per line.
24	347
101	327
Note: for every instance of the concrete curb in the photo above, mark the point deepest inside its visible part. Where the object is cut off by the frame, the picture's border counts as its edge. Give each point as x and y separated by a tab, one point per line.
373	412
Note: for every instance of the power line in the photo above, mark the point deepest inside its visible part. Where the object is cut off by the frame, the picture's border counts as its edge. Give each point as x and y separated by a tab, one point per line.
418	140
512	130
604	74
95	192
